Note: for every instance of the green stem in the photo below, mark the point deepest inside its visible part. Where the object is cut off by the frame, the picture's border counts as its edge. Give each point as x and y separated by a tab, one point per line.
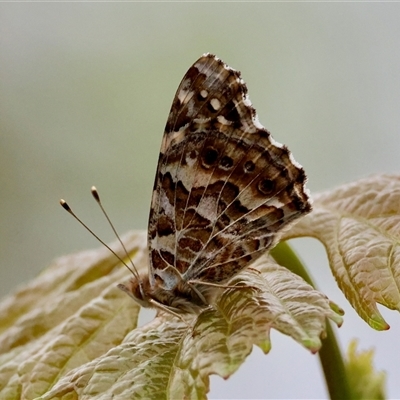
330	356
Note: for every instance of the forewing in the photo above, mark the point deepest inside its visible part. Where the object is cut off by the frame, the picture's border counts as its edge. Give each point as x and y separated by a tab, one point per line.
224	188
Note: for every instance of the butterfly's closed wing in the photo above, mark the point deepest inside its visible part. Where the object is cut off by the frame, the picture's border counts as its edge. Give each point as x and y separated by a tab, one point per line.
224	188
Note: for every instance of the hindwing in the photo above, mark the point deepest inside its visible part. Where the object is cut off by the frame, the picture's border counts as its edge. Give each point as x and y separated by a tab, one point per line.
224	189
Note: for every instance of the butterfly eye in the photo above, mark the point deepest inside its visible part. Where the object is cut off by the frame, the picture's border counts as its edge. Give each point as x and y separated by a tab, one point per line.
210	155
266	186
226	162
249	166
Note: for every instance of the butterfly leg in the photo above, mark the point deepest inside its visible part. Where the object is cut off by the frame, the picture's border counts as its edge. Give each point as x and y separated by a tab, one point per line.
254	270
166	309
197	291
218	285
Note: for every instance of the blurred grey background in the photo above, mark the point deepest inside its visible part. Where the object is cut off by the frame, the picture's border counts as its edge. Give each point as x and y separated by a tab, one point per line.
85	91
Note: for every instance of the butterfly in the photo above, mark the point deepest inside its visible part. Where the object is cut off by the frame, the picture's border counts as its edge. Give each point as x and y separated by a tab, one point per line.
224	190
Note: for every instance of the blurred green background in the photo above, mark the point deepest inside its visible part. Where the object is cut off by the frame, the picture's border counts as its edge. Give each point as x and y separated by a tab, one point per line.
85	91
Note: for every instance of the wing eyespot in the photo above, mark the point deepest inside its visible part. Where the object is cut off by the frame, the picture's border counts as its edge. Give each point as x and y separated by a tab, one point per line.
226	162
266	186
209	156
192	155
249	166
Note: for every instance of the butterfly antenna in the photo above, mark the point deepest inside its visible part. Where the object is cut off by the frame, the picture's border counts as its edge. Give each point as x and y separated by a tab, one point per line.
96	196
66	207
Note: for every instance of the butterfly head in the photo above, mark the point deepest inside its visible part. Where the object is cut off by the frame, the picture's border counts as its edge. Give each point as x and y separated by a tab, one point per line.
138	289
183	298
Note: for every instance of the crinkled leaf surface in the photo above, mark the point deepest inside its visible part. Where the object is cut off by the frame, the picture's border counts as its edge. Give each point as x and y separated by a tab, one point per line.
71	333
359	225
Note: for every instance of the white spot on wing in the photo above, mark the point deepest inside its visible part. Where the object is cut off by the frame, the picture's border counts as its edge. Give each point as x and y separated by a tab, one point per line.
215	104
222	120
247	102
275	143
257	123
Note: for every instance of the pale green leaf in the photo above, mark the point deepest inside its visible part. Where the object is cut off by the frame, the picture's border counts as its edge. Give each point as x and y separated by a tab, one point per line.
71	333
171	360
359	225
365	382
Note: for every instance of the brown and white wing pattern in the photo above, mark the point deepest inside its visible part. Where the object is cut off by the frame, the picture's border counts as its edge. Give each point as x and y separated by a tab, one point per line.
224	189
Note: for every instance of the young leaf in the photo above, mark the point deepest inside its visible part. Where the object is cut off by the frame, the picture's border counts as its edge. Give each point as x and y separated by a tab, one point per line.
71	332
365	382
359	225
